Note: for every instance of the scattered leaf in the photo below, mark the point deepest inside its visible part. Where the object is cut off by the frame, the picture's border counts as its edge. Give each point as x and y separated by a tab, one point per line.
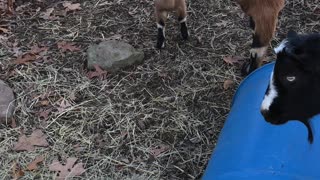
34	164
69	170
44	103
65	46
23	59
231	60
37	138
4	30
97	73
47	15
156	151
45	114
62	13
71	7
227	84
64	104
36	49
16	51
16	171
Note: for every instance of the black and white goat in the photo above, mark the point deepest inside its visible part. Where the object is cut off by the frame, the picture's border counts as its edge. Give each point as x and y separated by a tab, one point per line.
263	19
294	89
162	7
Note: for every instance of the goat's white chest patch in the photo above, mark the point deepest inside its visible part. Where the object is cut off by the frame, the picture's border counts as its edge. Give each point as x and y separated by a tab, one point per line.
270	96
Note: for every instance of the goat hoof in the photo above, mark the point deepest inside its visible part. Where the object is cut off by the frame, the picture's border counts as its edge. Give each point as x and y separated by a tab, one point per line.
160	45
185	36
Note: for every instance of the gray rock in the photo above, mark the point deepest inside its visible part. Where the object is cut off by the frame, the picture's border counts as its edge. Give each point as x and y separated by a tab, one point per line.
112	55
7	104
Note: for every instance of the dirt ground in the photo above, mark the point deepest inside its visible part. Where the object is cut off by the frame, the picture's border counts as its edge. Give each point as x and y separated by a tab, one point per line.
158	120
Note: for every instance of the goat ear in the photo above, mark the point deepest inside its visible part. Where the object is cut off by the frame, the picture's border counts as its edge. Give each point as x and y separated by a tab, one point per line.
291	33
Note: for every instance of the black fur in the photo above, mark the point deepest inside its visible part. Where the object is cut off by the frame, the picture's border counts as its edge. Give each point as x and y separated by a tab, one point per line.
247	68
252	24
184	30
256	42
160	36
299	99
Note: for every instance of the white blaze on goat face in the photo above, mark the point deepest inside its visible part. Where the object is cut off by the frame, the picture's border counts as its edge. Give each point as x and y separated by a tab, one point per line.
281	46
270	96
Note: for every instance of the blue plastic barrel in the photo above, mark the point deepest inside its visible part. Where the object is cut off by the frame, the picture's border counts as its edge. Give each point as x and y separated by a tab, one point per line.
250	148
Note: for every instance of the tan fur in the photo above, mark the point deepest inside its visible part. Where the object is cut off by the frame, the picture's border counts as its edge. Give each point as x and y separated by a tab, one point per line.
162	7
265	16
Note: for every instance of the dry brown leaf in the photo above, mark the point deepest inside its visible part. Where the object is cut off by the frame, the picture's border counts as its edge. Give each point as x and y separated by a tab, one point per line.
71	7
97	73
62	13
34	164
67	171
47	15
4	30
16	171
156	151
36	49
65	46
44	103
25	59
37	138
231	60
63	105
227	84
44	114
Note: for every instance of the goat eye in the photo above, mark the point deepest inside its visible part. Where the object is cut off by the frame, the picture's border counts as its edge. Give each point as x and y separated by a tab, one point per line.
291	78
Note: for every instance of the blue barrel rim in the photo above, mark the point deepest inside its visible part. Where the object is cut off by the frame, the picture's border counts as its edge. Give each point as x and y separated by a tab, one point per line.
248	77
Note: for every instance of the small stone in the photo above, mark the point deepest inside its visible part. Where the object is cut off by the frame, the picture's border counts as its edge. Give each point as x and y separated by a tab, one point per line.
112	55
7	104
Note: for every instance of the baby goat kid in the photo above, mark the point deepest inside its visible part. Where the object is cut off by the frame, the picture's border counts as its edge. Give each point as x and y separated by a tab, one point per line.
294	89
162	7
263	19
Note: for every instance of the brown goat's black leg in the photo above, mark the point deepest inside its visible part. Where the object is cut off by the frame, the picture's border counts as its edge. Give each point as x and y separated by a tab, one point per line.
183	28
182	18
160	36
253	64
257	53
161	19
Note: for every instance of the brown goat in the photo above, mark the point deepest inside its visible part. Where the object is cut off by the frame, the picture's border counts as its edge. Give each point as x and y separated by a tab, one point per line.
162	7
263	16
